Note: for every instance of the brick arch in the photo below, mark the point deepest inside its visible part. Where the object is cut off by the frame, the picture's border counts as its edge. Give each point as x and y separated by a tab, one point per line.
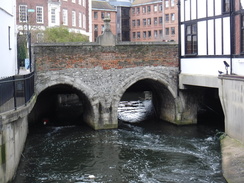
92	118
155	78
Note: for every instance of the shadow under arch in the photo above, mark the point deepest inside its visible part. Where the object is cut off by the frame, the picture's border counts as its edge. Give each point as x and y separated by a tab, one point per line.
69	102
165	99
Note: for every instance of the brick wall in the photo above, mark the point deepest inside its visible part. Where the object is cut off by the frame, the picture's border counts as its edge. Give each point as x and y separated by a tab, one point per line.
62	56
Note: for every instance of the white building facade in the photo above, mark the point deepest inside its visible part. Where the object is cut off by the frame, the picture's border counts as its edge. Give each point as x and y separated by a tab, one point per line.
8	38
212	54
210	34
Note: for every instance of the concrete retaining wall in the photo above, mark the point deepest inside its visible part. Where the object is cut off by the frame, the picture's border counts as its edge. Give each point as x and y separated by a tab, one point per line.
231	92
13	133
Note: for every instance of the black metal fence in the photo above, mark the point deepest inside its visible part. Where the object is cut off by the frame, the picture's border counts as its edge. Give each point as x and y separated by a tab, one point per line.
16	91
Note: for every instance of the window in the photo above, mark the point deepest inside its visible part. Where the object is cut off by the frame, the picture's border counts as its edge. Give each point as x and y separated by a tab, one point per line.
149	21
138	22
53	15
39	14
144	22
80	19
172	3
138	35
108	15
134	35
138	10
144	9
133	23
172	31
155	20
95	27
160	33
166	3
160	20
102	28
160	7
148	9
226	4
242	4
155	33
149	33
95	15
79	2
102	15
84	3
155	7
84	21
133	11
73	18
191	39
144	34
172	17
166	31
167	18
22	13
65	17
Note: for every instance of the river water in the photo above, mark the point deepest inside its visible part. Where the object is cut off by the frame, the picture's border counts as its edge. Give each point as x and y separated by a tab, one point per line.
152	151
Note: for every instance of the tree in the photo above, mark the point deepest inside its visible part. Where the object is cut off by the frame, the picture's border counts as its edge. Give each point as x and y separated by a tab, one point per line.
21	49
61	35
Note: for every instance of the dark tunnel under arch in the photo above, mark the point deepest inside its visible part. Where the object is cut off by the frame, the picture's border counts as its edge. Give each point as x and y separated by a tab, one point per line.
61	104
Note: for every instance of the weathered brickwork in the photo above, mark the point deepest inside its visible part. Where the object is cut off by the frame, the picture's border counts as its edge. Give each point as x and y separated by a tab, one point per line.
58	57
103	74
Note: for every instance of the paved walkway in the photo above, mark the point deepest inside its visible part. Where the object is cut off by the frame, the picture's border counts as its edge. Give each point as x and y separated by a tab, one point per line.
232	160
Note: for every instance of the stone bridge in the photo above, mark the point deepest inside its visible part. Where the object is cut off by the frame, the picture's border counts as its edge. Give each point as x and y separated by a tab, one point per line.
100	75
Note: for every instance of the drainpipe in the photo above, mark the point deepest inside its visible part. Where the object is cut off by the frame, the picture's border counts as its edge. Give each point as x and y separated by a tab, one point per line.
179	37
232	28
179	44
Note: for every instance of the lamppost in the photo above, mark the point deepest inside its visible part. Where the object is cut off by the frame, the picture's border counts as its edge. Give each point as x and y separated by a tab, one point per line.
29	37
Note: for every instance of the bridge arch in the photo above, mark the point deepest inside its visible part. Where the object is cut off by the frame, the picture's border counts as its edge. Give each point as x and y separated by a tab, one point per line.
165	99
64	87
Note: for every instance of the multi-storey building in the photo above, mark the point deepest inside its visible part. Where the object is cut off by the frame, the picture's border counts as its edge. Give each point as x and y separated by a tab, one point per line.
8	38
170	21
39	14
101	10
212	47
154	20
146	20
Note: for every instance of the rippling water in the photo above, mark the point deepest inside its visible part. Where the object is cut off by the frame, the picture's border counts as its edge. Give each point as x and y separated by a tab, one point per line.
148	152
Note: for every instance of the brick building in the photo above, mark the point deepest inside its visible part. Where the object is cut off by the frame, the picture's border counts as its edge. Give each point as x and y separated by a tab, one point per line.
154	20
101	10
146	20
39	14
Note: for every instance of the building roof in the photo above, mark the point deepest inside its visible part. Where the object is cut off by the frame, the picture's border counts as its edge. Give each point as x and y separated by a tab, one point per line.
140	2
102	5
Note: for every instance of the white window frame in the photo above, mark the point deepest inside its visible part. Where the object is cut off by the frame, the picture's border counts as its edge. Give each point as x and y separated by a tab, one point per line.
65	17
84	3
73	18
166	3
23	14
53	15
172	3
155	7
73	1
84	21
79	2
39	15
80	20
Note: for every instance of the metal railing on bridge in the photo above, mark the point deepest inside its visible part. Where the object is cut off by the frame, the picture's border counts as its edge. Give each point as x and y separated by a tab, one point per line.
16	91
